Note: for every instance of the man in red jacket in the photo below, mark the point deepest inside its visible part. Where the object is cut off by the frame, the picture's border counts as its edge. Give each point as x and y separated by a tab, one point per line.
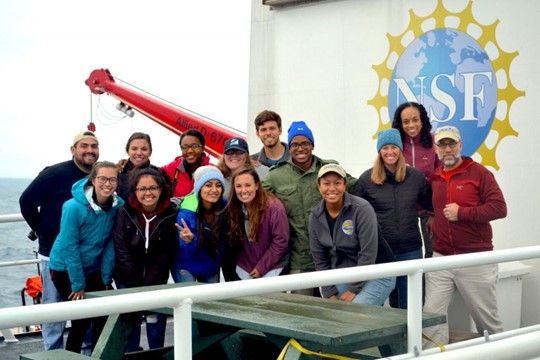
466	197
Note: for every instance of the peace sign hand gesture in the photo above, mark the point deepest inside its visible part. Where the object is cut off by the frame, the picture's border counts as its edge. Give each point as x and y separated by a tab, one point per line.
185	233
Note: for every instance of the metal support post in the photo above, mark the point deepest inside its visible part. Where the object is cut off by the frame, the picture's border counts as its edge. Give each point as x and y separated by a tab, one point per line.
414	311
182	330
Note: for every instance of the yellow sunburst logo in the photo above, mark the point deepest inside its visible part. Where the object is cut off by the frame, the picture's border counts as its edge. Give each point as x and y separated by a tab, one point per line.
454	66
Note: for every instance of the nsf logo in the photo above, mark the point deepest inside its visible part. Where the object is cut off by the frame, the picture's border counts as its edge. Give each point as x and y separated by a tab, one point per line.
451	73
452	76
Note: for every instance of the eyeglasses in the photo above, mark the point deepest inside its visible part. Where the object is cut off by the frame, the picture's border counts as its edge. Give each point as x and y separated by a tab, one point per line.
102	180
304	144
443	145
193	147
143	190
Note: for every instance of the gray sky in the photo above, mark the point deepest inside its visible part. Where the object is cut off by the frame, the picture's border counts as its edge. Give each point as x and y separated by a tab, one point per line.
193	53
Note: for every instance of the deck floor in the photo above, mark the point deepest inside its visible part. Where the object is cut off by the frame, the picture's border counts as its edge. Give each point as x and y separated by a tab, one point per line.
33	342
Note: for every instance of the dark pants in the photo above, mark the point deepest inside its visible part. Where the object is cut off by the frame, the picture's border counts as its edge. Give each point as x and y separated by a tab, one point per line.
80	327
155	329
398	297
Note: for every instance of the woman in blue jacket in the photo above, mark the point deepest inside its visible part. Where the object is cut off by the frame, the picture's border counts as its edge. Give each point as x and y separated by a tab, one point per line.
202	229
82	257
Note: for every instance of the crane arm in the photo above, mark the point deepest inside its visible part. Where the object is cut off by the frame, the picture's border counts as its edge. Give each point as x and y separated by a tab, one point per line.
174	119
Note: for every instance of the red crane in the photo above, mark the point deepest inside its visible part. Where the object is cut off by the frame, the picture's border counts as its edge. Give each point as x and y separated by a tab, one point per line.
174	119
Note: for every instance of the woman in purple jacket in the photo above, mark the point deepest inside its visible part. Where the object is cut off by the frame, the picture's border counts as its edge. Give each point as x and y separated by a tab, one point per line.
412	121
259	229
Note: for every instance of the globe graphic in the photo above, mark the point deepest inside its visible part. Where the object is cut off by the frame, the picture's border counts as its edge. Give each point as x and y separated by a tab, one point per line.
449	73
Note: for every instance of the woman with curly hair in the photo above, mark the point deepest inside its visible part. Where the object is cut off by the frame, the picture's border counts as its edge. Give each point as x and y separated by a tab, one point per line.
412	121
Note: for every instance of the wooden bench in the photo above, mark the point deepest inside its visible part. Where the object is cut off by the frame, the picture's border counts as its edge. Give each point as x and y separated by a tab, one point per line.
59	354
318	324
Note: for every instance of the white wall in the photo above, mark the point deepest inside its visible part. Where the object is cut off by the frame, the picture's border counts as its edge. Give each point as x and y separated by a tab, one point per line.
314	62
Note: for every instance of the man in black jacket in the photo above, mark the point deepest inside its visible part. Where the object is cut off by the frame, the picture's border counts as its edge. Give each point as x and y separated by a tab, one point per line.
41	206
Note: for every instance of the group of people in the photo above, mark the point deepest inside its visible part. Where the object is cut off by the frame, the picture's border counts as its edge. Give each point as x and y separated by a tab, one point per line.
280	211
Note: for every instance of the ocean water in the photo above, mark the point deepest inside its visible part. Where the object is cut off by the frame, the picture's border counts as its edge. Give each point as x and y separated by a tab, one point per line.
14	245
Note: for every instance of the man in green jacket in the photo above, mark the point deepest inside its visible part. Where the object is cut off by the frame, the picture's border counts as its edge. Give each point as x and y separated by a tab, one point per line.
295	183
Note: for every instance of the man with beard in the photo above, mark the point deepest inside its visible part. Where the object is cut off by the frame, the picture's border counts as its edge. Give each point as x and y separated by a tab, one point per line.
268	127
466	197
41	206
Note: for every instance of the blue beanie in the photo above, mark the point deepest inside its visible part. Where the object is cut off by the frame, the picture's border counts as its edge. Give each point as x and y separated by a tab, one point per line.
389	137
298	128
204	174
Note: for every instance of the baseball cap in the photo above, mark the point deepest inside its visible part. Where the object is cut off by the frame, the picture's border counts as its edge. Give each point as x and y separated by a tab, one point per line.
236	143
84	135
447	132
335	168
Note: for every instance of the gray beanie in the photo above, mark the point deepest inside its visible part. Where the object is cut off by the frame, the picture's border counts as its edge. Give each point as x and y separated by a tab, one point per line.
204	174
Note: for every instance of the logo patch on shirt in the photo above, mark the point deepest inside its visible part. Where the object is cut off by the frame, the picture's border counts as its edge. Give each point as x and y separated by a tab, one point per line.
347	227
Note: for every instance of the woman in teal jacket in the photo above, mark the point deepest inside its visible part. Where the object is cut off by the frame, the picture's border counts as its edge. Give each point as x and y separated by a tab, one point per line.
82	257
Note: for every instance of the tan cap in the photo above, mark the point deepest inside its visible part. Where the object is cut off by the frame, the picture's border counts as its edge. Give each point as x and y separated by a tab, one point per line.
447	132
336	168
84	135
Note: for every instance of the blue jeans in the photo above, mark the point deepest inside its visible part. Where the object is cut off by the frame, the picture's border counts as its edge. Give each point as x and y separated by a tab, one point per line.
53	333
401	282
180	276
374	292
155	330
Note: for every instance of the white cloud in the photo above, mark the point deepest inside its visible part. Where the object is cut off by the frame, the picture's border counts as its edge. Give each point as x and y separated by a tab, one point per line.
192	53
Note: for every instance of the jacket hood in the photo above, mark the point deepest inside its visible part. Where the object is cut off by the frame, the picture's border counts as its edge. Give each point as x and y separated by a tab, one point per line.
83	190
135	204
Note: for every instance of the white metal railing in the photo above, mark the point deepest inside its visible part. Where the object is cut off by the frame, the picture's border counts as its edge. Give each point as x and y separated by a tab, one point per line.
20	262
11	218
182	298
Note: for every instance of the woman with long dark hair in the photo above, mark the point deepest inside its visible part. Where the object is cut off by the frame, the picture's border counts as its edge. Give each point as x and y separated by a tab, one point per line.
412	122
259	228
146	243
202	229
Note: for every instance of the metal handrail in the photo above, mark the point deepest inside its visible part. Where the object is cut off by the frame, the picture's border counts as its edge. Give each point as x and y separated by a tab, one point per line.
181	299
11	218
20	262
